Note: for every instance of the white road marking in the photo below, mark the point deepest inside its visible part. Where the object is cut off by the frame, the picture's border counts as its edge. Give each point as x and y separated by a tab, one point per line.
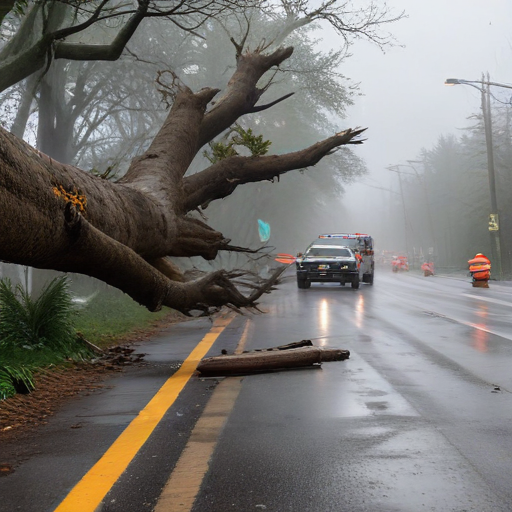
488	299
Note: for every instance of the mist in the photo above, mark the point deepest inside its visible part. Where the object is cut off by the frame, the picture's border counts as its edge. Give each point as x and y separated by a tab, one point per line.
441	205
406	105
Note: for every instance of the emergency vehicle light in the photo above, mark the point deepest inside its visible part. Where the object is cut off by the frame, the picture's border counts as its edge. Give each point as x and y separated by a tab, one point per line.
343	235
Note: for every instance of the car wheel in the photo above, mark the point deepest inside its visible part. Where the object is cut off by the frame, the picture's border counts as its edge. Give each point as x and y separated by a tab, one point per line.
301	283
355	283
307	283
369	278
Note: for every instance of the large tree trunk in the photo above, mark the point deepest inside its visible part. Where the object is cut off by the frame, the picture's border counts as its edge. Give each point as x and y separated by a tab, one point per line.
59	217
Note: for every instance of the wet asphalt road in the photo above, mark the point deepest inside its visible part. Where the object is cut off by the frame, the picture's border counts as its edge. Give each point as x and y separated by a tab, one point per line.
419	417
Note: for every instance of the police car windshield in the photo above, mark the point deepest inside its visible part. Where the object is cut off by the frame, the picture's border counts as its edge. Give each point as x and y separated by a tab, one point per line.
329	251
349	242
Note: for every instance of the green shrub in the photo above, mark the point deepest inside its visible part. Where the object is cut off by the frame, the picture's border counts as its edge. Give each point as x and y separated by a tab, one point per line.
15	378
42	323
35	333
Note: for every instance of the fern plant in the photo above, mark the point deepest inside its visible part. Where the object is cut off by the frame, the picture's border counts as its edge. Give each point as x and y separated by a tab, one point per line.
245	138
35	332
220	151
42	323
14	379
254	143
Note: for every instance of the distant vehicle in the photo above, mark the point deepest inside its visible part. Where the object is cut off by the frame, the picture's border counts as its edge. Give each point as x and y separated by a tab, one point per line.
328	263
362	244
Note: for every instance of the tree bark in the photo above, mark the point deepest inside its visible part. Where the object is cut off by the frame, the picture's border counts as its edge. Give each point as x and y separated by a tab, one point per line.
269	360
256	362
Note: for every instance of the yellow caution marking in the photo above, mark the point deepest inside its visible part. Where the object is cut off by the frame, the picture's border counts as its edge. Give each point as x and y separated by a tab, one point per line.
87	495
180	491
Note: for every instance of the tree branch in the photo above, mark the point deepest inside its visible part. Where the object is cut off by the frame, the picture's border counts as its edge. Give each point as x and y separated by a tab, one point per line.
242	94
158	172
108	52
260	108
222	178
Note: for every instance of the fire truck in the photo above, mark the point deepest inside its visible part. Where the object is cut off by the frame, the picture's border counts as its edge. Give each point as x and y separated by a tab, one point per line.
361	244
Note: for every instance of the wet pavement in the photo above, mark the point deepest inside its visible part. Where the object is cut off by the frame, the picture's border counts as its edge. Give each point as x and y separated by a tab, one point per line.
419	417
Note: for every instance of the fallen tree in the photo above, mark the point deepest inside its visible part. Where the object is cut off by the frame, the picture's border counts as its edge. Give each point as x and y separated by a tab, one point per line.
56	216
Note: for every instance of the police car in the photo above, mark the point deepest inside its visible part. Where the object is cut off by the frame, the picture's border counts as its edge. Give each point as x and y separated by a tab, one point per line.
338	266
327	263
362	244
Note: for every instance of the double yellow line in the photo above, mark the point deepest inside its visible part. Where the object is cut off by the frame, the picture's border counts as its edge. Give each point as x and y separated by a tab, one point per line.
88	494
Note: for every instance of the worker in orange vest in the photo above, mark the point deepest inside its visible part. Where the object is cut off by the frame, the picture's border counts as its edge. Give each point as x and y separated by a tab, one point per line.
359	259
480	269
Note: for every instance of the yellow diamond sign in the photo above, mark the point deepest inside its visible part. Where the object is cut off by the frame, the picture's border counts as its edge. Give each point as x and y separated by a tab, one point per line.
493	222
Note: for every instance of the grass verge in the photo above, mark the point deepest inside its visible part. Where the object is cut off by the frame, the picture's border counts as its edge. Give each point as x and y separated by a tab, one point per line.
110	317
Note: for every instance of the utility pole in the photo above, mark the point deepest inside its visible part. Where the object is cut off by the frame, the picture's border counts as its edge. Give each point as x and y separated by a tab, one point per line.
427	203
494	226
395	168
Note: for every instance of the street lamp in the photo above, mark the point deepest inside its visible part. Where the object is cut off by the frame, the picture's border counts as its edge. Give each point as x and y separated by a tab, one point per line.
484	88
458	81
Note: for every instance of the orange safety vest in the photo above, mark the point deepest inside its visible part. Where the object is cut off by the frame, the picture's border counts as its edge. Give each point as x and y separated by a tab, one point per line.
479	259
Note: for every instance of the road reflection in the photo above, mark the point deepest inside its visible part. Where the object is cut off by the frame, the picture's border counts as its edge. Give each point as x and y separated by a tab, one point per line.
323	316
480	338
479	335
359	311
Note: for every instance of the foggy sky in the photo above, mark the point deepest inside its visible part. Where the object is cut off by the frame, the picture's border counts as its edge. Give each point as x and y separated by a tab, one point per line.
406	106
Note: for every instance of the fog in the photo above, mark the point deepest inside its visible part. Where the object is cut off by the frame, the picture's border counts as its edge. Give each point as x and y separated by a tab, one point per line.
403	103
406	105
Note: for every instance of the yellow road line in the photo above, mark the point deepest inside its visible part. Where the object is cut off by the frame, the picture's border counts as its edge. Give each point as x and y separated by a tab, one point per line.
87	495
180	491
243	339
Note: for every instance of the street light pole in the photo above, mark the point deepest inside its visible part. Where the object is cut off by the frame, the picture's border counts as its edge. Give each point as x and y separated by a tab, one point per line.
394	168
427	203
459	81
494	217
485	95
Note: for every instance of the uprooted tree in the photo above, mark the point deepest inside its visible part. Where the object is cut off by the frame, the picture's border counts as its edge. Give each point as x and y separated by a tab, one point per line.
59	217
56	216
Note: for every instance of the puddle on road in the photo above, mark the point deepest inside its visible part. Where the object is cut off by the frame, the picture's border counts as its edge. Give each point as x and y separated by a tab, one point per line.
355	393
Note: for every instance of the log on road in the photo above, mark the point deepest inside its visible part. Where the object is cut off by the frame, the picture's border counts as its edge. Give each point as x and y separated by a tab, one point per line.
288	346
262	361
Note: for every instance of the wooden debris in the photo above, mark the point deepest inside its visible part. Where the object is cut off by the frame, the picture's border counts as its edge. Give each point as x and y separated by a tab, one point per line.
334	354
295	344
295	355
